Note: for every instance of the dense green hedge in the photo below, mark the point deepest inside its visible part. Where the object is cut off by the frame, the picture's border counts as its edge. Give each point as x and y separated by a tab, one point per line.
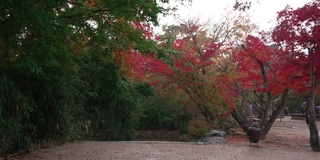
165	111
96	103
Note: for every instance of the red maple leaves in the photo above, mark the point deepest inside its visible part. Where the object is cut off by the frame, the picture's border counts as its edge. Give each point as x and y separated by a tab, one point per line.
298	33
267	68
261	66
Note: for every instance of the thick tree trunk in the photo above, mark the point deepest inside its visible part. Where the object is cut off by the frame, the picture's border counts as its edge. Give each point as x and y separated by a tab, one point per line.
244	123
265	106
314	134
241	118
311	117
266	128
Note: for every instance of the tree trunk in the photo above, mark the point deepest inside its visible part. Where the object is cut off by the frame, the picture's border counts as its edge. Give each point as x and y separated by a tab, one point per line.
241	118
206	113
266	128
311	117
265	106
314	134
243	122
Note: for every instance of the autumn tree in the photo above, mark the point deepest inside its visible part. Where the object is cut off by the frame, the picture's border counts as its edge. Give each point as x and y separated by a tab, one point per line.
265	80
298	34
196	59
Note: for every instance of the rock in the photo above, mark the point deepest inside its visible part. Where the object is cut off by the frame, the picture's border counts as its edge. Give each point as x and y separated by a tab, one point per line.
214	140
200	143
227	128
215	137
216	133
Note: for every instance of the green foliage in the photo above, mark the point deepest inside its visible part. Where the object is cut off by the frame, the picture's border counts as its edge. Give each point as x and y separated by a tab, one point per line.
13	113
111	108
58	78
197	127
295	101
35	71
165	112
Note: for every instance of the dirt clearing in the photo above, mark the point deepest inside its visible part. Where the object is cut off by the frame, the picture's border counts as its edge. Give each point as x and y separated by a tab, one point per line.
288	139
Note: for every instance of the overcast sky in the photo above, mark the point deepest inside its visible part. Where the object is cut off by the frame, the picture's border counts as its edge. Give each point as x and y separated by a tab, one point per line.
263	12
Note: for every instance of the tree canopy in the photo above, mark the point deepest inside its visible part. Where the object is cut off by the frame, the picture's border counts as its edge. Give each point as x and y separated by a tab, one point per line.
58	72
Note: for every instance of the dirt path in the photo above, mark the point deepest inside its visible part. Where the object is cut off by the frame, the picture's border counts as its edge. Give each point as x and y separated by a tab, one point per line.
287	140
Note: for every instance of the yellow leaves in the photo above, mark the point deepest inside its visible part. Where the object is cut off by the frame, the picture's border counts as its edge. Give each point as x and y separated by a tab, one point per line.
232	28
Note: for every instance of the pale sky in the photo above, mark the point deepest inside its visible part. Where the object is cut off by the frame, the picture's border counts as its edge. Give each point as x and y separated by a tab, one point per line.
263	12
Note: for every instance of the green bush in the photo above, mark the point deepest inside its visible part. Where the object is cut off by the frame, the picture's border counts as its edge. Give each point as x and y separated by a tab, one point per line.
111	109
164	113
198	126
93	102
12	109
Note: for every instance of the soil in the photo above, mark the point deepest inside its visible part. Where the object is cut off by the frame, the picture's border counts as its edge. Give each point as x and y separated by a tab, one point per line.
287	139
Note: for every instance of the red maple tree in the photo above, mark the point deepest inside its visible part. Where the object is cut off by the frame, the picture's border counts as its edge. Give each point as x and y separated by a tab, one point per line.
191	69
266	74
298	34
